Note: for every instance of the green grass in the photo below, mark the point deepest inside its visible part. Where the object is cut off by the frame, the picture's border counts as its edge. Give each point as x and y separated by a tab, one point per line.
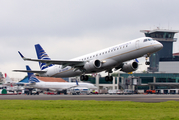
87	110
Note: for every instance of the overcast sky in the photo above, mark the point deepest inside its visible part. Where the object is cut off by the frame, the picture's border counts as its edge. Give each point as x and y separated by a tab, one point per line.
71	28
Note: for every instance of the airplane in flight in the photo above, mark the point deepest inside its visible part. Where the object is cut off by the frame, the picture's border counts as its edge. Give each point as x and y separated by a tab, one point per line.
117	57
56	86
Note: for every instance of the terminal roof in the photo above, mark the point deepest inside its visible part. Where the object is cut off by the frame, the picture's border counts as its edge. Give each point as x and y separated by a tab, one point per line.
159	30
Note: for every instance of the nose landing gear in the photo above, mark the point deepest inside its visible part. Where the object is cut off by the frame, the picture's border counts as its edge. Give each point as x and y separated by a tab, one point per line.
147	62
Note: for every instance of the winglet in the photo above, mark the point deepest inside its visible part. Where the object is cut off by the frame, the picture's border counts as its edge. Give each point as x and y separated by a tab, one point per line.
21	54
76	82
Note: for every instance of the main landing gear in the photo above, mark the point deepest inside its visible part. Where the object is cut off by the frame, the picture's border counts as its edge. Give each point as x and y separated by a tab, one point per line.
109	78
83	77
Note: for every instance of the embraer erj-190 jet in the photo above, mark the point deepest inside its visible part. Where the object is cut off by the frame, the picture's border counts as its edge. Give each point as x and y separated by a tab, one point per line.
117	57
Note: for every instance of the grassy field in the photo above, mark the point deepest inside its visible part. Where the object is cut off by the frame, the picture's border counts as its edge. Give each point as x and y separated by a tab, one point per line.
87	110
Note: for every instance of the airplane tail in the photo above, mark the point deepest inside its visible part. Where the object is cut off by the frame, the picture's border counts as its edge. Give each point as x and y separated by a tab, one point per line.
42	55
31	76
7	79
77	83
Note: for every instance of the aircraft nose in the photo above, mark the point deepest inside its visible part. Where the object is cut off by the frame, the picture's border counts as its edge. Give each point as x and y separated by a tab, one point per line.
158	46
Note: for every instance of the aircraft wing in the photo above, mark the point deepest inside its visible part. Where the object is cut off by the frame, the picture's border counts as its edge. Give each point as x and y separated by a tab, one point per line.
58	62
30	71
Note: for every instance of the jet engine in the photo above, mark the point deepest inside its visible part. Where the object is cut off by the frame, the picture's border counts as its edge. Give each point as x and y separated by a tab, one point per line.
130	66
92	65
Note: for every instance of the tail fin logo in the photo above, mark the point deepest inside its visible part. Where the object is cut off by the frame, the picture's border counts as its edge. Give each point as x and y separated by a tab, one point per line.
41	54
33	79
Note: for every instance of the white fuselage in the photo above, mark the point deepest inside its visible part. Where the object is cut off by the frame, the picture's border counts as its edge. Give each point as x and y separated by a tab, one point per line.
58	86
110	57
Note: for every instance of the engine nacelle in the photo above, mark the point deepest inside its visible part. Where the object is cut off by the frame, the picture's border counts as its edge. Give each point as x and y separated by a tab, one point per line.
129	67
92	65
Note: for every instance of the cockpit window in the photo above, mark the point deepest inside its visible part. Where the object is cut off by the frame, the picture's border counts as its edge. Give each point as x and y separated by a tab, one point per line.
145	40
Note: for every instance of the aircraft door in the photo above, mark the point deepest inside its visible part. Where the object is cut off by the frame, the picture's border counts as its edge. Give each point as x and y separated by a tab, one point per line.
137	44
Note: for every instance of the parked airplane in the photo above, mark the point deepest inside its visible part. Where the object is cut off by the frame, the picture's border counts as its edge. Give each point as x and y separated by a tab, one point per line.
10	85
8	81
117	57
55	86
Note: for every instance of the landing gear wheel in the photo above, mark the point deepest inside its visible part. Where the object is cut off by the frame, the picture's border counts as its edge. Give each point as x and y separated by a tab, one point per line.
86	77
108	78
83	77
147	63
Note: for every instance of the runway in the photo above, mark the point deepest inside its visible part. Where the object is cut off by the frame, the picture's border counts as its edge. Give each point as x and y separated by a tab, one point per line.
135	98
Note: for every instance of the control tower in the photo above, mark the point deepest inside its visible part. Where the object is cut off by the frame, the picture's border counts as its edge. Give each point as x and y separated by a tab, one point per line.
166	37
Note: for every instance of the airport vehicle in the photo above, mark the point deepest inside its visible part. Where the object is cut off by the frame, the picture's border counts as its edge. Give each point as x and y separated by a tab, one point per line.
35	92
55	86
150	91
119	92
117	57
79	90
128	92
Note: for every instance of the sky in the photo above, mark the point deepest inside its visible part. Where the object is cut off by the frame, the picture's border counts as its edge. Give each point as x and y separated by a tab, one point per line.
71	28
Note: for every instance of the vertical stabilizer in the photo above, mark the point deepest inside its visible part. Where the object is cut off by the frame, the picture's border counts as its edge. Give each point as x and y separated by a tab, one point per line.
32	78
42	55
7	79
76	83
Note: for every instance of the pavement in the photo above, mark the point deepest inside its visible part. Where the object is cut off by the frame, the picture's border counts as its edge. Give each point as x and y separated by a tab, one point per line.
135	97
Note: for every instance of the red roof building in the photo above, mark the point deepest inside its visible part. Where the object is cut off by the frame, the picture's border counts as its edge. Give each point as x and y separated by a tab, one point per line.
51	79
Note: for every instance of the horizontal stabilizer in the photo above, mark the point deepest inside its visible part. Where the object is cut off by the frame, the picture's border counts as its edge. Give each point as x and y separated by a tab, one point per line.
58	62
30	71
